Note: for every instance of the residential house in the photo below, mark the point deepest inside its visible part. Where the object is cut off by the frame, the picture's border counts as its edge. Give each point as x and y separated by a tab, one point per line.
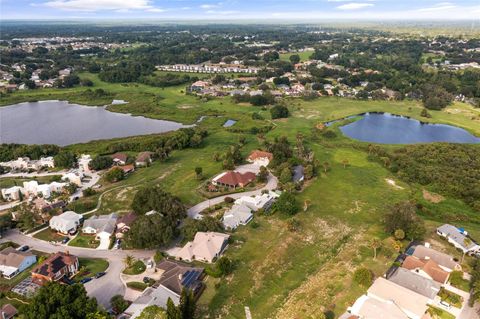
119	158
198	86
13	262
446	262
175	277
144	159
206	246
58	267
367	307
257	202
238	215
458	238
127	169
13	193
261	158
411	303
66	223
415	282
426	268
298	174
124	223
74	177
8	311
102	226
234	179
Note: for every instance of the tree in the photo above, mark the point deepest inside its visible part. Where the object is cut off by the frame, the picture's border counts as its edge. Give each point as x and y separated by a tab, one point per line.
306	204
153	312
55	300
128	261
287	203
207	223
152	231
294	58
118	304
403	216
286	175
187	304
399	234
225	265
375	244
100	162
435	97
279	111
115	174
262	176
363	277
65	159
164	203
326	167
172	311
198	172
5	223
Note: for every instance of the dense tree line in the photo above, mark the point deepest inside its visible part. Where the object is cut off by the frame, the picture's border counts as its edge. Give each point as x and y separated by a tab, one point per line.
10	152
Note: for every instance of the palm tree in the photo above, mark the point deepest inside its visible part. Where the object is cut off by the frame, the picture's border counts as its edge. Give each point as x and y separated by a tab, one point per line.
345	163
306	204
325	166
128	261
466	242
375	244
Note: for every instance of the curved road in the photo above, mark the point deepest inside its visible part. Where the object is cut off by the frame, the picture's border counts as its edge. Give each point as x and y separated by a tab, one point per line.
103	288
194	211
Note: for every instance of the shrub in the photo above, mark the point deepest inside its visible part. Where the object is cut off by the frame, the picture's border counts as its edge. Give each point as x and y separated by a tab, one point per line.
363	277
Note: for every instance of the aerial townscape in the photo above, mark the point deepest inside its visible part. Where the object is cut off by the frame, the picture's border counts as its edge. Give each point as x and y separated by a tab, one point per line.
239	159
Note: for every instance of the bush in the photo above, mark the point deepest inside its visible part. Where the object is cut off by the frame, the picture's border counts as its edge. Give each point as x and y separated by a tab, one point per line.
363	277
114	175
137	285
279	111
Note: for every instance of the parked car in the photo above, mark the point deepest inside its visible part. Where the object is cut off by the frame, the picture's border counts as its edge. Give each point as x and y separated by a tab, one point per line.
65	240
146	279
99	274
117	244
85	280
23	248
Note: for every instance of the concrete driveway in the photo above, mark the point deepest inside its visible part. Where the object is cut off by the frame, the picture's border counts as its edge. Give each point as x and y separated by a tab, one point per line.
194	211
103	288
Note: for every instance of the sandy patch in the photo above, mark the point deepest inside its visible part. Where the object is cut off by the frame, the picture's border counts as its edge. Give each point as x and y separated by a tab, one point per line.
392	183
185	106
432	197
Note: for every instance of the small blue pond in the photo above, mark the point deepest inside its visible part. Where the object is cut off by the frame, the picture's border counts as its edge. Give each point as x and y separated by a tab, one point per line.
229	123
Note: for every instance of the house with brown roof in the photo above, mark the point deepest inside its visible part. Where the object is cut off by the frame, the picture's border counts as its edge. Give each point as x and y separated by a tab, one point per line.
124	223
260	157
143	159
119	158
56	268
234	179
8	311
426	268
13	262
445	261
127	168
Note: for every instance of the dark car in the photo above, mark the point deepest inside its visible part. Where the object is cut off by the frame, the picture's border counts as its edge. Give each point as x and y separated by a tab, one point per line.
65	240
146	279
99	274
23	248
85	280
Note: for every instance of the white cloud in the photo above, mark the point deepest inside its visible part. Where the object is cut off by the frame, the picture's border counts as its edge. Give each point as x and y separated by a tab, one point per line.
156	10
208	6
438	7
97	5
354	6
221	12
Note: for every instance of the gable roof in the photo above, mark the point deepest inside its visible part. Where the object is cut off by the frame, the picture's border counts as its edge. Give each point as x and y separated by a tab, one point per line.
421	285
410	302
428	266
13	258
55	263
256	154
454	234
143	157
205	245
8	311
442	259
127	219
371	308
233	178
178	276
237	215
120	156
102	223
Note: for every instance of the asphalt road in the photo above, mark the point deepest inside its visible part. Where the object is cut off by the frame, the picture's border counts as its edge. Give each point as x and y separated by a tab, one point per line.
103	288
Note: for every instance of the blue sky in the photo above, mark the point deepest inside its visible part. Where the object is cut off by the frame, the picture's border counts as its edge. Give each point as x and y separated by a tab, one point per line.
263	10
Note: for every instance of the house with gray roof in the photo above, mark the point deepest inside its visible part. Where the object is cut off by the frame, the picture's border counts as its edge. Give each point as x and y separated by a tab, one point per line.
458	238
103	226
13	262
415	282
239	214
66	222
445	261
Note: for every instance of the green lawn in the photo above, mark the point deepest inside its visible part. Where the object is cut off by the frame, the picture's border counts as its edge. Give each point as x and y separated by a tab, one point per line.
90	266
49	235
304	56
137	268
438	313
83	240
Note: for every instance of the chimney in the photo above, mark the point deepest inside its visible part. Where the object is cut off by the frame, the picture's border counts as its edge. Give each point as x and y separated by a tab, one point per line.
427	245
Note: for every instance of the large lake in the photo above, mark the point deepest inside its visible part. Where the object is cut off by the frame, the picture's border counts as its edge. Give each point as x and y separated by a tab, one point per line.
62	123
386	128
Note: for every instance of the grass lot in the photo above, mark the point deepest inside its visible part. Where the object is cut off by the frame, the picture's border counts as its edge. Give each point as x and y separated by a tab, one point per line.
83	240
439	313
296	274
137	268
48	235
450	297
304	56
89	267
137	285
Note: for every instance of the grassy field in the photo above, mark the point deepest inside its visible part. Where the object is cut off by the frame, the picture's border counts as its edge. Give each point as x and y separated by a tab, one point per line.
304	56
83	240
48	235
89	267
296	274
137	268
